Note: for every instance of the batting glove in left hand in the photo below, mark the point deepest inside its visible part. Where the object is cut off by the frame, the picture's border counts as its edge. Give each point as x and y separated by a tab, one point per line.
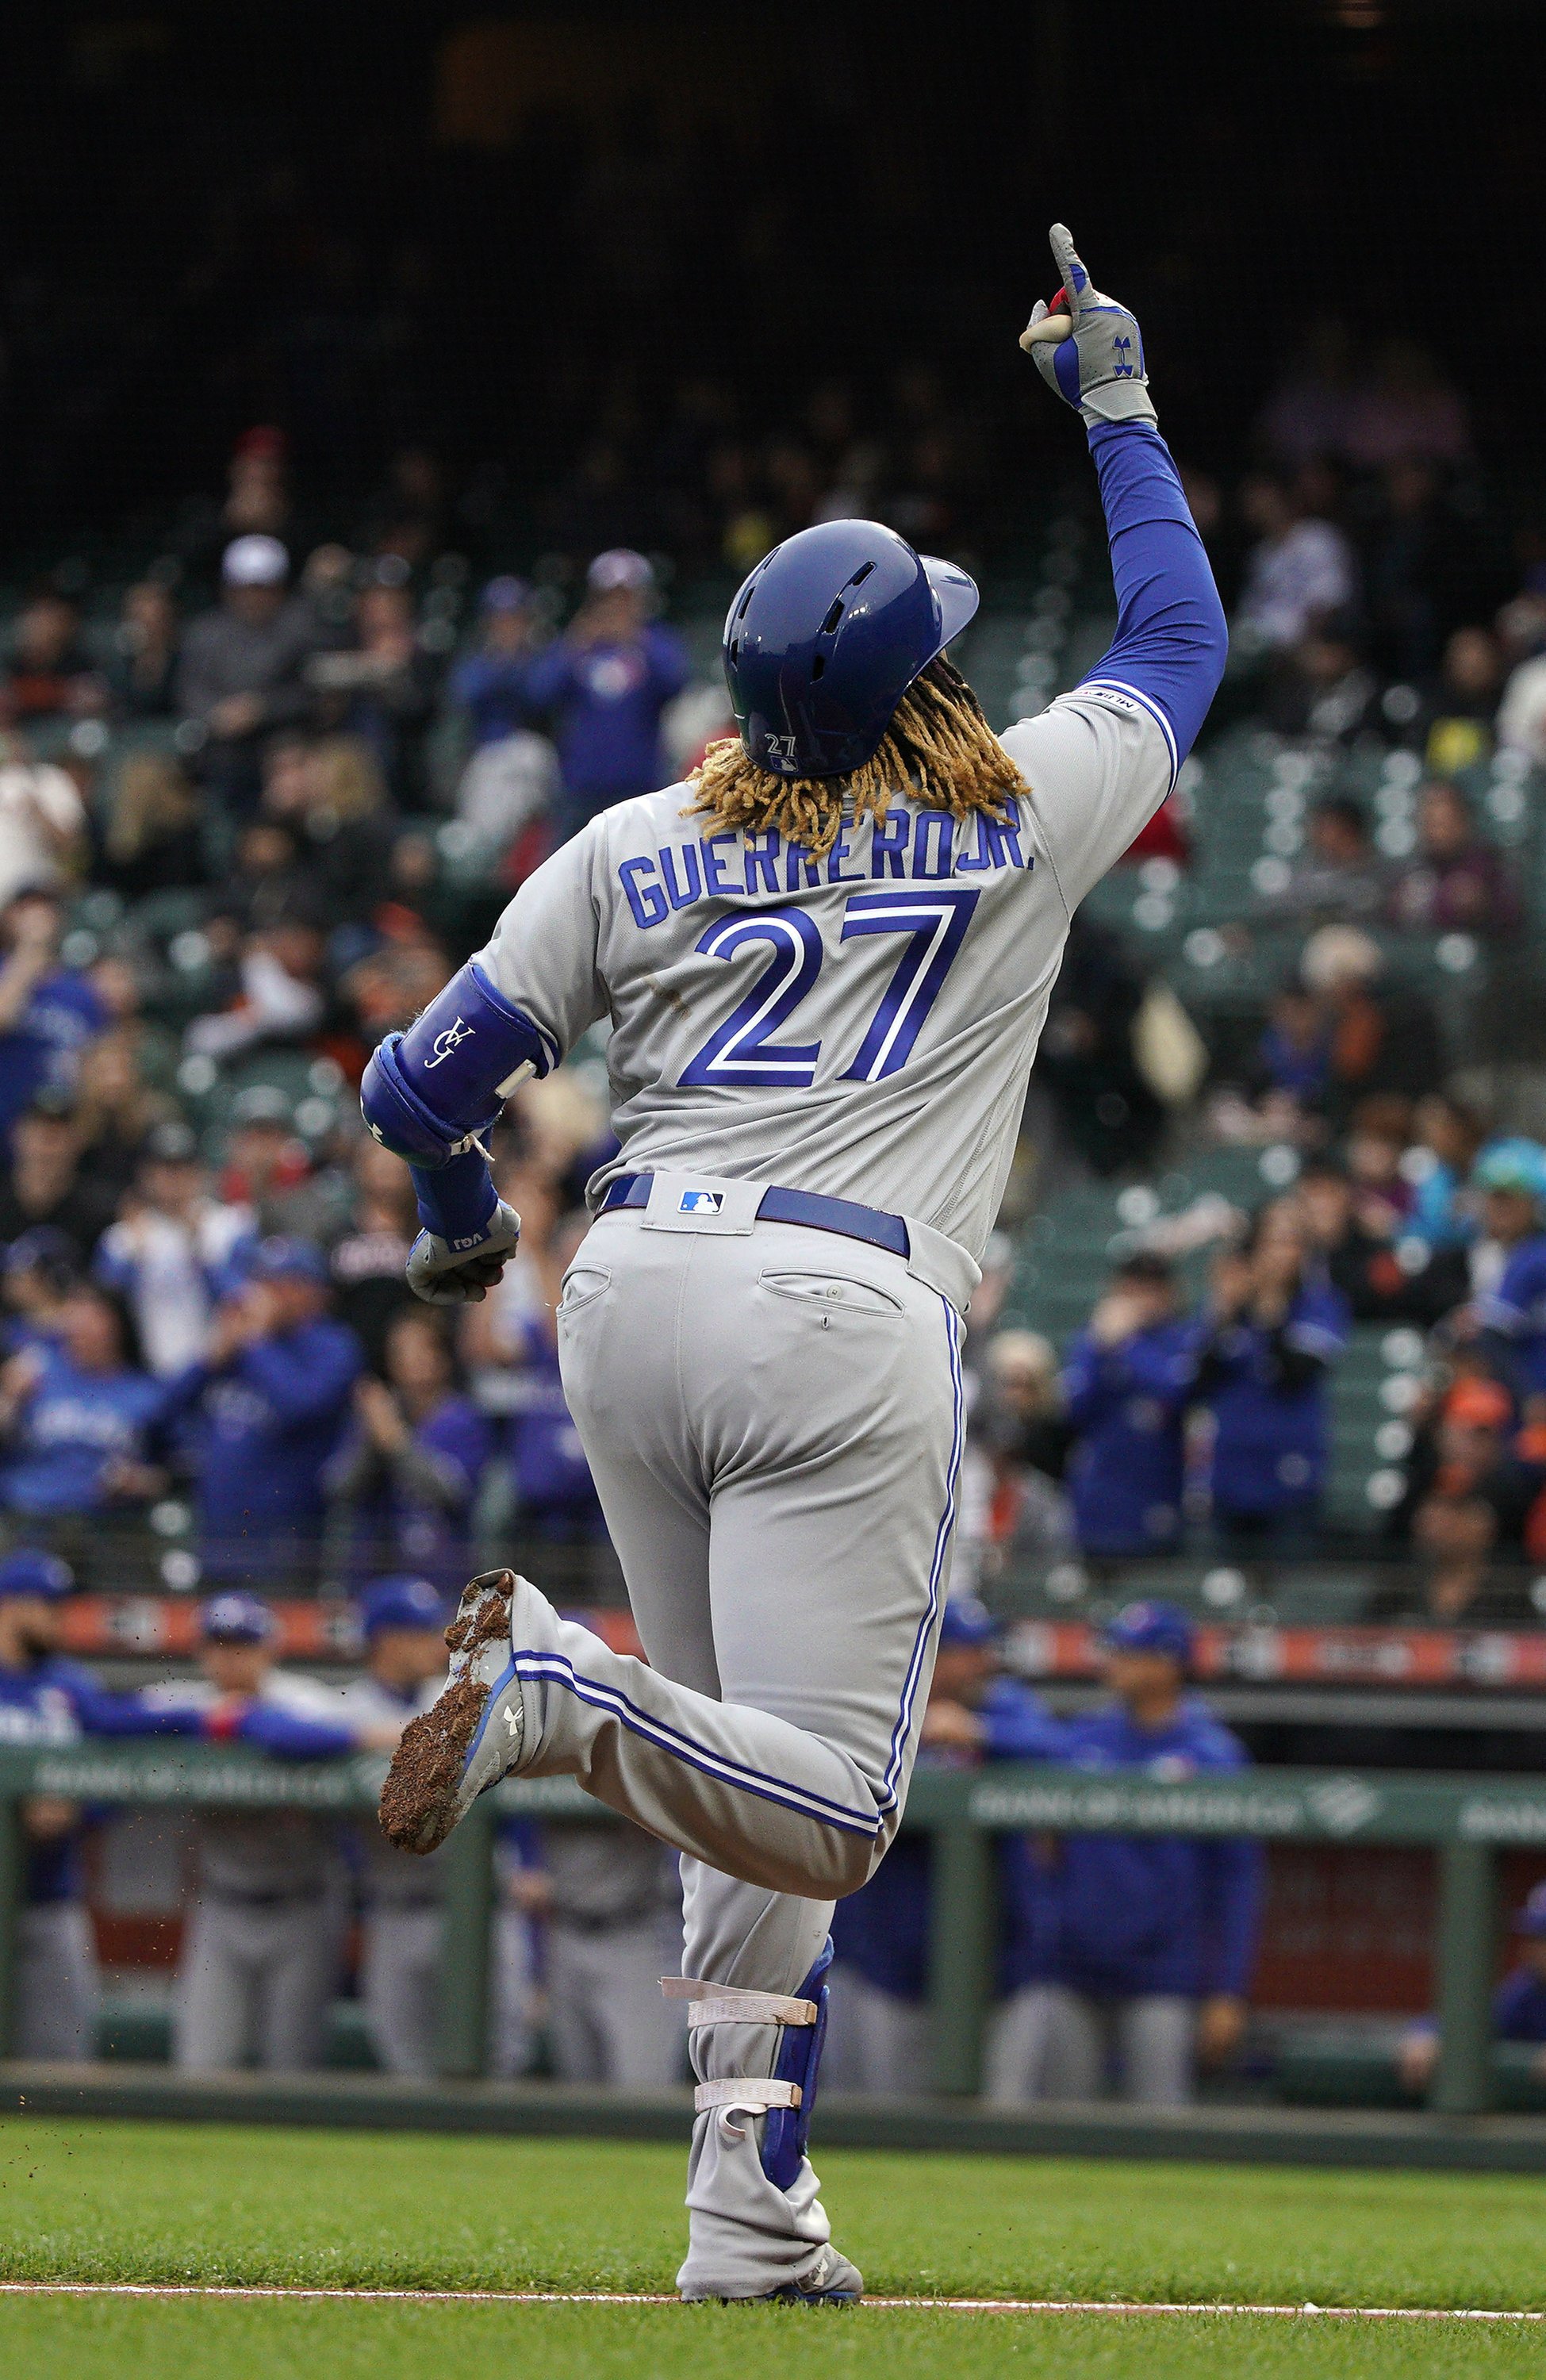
1087	347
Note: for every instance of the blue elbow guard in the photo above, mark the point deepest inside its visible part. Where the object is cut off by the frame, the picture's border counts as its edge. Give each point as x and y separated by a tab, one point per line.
429	1093
786	2130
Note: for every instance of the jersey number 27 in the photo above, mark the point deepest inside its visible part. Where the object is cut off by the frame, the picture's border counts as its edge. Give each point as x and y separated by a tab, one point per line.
743	1051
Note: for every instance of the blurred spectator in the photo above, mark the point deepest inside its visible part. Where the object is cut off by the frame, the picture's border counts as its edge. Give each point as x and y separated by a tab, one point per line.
43	822
151	840
50	676
506	795
330	797
1518	2003
278	995
46	1185
142	675
262	1947
409	1469
1522	713
1128	1958
115	1110
1274	1327
402	1622
1511	1310
268	1168
490	683
1455	1538
1341	875
267	1402
1322	685
605	684
242	671
1382	1280
1377	1132
48	1012
1449	1134
1458	882
1463	705
1287	1082
1379	1039
38	1273
1306	416
879	2021
381	691
176	1251
44	1702
1299	568
76	1425
370	1257
1127	1383
1111	1117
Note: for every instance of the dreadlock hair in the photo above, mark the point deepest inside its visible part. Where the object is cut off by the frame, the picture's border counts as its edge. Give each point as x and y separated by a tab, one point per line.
938	747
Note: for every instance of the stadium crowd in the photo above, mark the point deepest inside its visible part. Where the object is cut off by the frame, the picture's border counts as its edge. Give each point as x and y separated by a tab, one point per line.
241	838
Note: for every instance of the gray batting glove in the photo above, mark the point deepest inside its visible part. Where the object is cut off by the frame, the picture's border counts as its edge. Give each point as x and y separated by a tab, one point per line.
443	1275
1088	349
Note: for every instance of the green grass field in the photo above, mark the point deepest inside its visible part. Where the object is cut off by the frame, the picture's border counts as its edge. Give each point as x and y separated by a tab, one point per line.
142	2202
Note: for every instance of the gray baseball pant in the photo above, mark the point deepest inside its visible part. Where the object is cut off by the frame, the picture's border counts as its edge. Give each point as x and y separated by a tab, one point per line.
876	2043
1050	2043
773	1416
608	2020
399	1983
255	1980
56	1982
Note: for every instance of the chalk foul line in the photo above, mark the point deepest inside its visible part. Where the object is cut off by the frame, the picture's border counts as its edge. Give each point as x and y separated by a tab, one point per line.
271	2290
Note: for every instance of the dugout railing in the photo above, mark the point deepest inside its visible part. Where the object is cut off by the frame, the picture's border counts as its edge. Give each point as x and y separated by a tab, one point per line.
1468	1821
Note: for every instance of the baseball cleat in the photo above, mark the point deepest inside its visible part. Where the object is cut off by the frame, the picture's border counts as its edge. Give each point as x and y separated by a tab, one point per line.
471	1736
831	2281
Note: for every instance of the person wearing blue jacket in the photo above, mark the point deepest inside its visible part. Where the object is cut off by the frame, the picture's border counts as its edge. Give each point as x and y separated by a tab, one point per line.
1127	1378
1276	1329
268	1402
1518	2003
1128	1956
879	2021
490	684
261	1949
604	685
47	1700
1511	1318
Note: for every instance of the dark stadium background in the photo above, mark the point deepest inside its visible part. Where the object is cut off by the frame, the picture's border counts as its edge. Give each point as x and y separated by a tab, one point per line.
361	221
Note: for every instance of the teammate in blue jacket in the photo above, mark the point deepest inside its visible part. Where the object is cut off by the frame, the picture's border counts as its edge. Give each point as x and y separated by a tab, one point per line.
1132	1950
1511	1175
1277	1326
881	1934
270	1399
46	1700
1518	2003
605	684
1127	1378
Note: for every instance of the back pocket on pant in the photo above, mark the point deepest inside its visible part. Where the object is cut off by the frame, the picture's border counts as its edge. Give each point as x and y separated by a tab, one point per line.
582	1284
832	1292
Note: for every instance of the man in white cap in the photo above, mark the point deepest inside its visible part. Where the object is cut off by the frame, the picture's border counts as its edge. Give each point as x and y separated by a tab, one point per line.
604	685
241	673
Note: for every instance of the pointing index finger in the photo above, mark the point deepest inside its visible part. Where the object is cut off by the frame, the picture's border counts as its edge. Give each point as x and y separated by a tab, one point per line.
1076	281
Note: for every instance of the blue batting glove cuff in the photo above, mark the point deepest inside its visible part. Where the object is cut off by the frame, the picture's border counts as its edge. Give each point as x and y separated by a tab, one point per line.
456	1201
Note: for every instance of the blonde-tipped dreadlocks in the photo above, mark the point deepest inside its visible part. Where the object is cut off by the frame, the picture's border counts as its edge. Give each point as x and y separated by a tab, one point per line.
938	746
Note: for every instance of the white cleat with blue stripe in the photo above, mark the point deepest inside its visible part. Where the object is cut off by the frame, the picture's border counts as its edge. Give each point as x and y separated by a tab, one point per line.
472	1735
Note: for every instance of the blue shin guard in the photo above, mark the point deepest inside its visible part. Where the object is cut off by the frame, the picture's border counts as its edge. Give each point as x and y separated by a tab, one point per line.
786	2130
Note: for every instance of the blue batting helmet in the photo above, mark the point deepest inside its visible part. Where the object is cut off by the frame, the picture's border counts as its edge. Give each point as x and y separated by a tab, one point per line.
1151	1628
400	1603
826	635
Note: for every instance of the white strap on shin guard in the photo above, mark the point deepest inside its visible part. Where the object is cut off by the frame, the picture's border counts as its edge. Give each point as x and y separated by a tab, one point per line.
723	2003
755	2093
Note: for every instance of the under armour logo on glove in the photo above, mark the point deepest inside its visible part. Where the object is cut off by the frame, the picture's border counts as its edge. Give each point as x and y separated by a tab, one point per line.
444	1043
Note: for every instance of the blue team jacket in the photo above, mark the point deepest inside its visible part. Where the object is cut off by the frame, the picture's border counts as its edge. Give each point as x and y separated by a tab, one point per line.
1515	1312
70	1430
1136	1913
1127	1405
493	688
1271	1445
394	1529
606	706
264	1429
883	1929
56	1701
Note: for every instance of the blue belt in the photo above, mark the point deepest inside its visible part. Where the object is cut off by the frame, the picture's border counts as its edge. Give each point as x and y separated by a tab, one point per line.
807	1206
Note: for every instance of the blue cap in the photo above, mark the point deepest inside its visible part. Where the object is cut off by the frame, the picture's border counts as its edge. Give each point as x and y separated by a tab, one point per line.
236	1618
1531	1919
1151	1628
965	1621
288	1259
400	1603
506	594
1518	1164
825	636
30	1571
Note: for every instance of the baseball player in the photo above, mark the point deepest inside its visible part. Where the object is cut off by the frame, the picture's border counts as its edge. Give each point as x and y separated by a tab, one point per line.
402	1622
825	960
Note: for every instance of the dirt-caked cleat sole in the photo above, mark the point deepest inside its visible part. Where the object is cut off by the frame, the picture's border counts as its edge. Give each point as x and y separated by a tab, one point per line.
471	1736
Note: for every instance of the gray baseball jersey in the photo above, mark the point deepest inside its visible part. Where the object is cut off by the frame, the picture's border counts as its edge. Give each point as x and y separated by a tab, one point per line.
862	1026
